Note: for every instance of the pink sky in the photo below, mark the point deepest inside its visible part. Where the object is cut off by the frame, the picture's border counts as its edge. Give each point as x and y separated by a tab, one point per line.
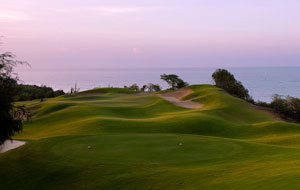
143	33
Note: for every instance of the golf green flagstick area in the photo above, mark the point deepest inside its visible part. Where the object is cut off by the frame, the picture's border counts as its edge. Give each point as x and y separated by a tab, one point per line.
112	138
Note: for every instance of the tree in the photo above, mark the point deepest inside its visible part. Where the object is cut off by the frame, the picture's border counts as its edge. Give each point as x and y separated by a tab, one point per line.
11	116
225	80
134	87
144	87
286	105
173	81
153	87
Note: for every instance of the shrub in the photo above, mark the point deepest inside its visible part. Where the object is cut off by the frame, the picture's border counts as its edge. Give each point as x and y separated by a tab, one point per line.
153	87
11	116
225	80
262	104
143	89
31	92
174	81
134	87
287	105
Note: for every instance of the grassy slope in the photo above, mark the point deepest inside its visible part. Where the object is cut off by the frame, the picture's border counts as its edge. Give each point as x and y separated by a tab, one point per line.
134	139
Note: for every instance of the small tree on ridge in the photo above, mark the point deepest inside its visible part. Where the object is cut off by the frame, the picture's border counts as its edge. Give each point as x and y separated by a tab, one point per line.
173	81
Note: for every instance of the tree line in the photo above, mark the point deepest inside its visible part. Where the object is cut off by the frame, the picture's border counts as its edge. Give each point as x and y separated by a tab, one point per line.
31	92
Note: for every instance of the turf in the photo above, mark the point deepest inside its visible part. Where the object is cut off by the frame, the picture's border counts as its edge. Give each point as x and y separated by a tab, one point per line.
135	138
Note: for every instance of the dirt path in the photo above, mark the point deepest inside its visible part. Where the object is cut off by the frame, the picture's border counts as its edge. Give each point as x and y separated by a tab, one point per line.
8	145
175	97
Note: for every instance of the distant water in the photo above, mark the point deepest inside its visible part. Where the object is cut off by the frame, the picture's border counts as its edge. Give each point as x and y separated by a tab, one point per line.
262	83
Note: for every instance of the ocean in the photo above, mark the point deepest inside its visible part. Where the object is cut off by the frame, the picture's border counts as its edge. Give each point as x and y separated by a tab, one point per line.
262	82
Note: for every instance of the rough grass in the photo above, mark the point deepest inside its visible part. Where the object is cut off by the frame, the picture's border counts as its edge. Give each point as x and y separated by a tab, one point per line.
135	145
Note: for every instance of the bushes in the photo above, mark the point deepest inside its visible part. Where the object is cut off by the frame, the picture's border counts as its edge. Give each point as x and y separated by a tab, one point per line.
150	87
11	116
31	92
227	82
173	81
134	87
153	87
287	105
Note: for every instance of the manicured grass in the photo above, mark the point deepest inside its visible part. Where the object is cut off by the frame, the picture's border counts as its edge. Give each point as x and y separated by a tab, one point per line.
109	90
135	140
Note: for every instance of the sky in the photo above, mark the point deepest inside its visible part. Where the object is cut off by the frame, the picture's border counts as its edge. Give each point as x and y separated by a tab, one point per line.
63	34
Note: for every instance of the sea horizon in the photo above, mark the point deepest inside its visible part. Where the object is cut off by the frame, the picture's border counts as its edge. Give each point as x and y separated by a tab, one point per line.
262	82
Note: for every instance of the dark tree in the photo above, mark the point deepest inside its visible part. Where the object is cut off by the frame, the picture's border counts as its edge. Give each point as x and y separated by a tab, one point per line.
153	87
288	106
227	82
134	87
10	116
173	81
31	92
144	87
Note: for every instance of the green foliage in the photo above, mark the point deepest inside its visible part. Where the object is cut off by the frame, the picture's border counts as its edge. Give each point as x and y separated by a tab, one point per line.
10	115
287	105
31	92
262	104
144	87
153	87
173	81
225	80
133	87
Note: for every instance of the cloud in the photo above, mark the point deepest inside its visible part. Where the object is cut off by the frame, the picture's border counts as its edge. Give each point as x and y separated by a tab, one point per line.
6	16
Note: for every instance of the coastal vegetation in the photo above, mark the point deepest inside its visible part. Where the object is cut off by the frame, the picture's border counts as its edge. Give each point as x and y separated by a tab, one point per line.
173	81
11	116
31	92
225	80
150	87
153	87
287	106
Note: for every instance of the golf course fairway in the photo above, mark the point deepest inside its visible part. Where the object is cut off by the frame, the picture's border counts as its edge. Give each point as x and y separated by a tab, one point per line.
113	138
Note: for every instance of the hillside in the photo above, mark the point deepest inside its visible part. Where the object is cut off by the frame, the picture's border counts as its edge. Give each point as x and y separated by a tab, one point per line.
141	141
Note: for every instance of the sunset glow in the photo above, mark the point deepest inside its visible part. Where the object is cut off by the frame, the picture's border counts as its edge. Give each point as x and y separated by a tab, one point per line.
123	33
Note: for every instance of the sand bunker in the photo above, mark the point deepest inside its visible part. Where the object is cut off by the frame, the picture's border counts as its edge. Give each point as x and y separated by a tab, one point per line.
175	98
8	145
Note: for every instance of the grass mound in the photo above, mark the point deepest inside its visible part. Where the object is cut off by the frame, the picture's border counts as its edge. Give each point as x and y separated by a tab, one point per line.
135	139
109	90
